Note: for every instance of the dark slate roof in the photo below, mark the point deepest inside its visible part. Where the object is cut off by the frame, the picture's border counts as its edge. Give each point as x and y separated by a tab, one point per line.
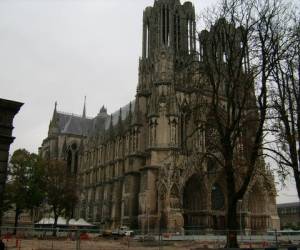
73	124
78	125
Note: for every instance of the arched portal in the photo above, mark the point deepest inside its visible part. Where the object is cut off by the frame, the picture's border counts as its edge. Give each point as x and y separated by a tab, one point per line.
194	202
217	198
217	207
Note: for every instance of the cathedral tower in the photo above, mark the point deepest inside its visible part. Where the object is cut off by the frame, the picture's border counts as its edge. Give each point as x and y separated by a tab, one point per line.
169	40
169	37
139	166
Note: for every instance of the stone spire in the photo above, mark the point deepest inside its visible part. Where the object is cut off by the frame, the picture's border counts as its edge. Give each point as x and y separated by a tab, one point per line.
54	116
84	108
129	117
120	123
55	107
54	126
111	127
103	110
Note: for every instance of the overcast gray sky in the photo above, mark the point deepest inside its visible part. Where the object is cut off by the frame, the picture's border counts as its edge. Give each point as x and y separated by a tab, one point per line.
62	50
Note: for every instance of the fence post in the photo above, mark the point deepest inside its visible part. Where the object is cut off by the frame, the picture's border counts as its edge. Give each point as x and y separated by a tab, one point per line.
77	240
276	238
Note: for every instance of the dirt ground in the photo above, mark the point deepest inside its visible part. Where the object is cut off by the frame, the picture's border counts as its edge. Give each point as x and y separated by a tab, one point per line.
100	244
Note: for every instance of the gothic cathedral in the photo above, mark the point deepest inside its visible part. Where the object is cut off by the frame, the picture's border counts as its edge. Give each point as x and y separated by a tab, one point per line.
131	166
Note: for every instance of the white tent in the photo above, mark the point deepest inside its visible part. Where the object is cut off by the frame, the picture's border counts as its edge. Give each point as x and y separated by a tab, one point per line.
72	222
62	222
50	221
45	221
81	222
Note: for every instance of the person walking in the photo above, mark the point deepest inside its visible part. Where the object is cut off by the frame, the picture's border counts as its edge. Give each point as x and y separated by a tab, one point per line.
2	246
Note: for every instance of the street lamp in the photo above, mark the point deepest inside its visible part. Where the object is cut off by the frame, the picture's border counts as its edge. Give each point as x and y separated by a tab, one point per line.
240	202
147	219
147	214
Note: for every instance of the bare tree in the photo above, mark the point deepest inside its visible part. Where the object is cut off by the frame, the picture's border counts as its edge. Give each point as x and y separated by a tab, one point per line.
286	104
60	189
238	56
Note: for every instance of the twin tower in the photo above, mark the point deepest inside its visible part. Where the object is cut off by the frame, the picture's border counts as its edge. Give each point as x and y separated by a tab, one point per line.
169	39
171	26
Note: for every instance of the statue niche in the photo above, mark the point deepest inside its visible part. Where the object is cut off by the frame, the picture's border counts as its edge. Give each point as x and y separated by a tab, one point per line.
175	198
163	68
194	203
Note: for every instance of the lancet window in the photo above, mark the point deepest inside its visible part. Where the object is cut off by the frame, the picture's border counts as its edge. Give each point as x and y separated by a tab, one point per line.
177	31
191	29
165	21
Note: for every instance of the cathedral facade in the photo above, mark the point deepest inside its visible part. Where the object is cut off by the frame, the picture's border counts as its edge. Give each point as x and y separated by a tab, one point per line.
132	167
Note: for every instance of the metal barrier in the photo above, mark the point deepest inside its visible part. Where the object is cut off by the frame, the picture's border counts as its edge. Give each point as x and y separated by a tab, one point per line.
87	239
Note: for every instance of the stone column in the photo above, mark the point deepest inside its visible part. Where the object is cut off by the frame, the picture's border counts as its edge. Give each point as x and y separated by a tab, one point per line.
8	110
130	198
116	203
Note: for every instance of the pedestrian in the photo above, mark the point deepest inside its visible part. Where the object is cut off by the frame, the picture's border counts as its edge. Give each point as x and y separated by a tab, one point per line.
2	246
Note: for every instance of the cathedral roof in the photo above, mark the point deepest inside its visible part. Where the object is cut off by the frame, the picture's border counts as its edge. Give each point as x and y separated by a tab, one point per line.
73	124
82	125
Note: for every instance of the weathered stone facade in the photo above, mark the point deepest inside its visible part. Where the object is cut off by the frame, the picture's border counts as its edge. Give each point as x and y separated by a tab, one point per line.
132	166
8	110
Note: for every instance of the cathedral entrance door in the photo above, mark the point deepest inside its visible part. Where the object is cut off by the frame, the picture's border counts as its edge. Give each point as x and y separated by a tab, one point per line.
193	205
218	207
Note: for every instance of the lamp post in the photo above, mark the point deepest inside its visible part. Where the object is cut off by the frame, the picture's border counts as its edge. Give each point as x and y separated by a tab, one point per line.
240	202
147	220
147	214
122	212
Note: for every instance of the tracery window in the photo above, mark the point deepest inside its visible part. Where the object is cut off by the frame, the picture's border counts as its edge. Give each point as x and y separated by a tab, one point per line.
217	198
211	138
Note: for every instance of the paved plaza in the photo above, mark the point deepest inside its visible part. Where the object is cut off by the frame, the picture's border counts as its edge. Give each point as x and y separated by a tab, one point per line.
101	244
